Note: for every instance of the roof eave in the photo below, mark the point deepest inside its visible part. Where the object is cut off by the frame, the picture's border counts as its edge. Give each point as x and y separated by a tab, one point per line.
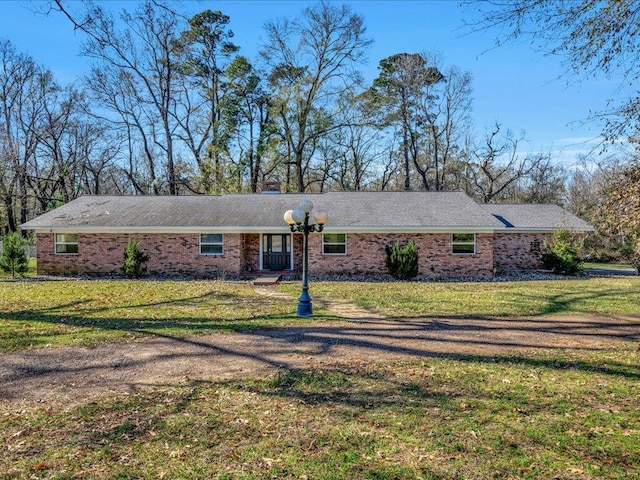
256	229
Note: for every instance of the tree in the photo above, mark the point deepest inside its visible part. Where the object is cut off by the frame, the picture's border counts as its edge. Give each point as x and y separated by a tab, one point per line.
621	206
20	113
207	49
254	127
134	78
400	89
495	166
14	255
594	37
402	260
544	183
562	255
586	190
428	106
312	60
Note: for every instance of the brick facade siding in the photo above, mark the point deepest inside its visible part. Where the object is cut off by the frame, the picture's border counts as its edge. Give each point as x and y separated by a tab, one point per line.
366	256
179	254
518	251
169	254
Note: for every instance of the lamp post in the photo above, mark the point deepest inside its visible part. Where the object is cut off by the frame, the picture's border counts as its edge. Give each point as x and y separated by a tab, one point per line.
298	220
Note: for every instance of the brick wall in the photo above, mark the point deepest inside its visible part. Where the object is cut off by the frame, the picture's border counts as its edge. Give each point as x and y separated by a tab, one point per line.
178	254
518	251
169	254
251	252
366	256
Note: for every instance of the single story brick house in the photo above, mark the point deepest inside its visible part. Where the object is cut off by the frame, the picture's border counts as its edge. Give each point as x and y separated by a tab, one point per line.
245	234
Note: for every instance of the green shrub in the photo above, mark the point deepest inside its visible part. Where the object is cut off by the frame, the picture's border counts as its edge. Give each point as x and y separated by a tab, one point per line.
134	259
402	261
563	253
14	255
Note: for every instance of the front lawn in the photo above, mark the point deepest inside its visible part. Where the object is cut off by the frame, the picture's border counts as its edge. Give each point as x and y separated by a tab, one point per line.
535	413
34	314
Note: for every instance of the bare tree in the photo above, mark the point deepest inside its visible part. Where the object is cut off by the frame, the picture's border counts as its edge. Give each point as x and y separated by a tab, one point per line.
312	60
620	208
496	166
134	78
544	183
20	113
593	38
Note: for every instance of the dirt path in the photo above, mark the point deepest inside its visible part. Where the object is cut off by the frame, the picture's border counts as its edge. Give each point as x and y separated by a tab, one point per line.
70	375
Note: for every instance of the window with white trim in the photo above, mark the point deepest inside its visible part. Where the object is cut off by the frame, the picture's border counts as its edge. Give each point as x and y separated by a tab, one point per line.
463	243
66	243
211	244
334	243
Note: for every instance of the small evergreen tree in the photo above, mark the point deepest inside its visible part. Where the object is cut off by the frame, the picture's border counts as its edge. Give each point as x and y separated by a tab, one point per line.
14	258
563	255
134	259
402	261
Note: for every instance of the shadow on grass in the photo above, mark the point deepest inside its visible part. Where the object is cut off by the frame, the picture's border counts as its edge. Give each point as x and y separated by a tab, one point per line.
473	339
495	300
580	346
575	301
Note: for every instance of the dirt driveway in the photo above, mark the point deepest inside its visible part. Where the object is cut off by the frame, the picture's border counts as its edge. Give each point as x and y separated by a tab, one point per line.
71	375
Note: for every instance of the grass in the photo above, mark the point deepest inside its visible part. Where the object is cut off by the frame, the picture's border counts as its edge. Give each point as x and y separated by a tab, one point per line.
532	414
436	419
602	296
609	266
37	314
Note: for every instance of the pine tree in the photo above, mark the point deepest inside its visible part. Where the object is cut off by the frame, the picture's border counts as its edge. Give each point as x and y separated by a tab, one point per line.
14	258
134	259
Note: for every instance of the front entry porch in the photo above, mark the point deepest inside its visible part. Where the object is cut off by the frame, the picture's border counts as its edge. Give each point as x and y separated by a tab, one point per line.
276	252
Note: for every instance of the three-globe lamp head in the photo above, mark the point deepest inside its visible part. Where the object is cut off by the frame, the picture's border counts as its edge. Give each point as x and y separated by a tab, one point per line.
298	215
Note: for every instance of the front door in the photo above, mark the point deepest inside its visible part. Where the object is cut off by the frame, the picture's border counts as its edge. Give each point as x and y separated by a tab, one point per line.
276	252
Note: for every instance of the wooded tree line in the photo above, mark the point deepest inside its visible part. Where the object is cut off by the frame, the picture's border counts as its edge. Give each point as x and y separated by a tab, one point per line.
171	106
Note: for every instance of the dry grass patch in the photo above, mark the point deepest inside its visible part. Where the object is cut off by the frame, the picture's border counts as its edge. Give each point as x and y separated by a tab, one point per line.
549	415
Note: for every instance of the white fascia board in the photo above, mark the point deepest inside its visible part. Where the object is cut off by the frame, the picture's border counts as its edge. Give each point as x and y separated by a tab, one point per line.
435	229
286	229
159	229
541	230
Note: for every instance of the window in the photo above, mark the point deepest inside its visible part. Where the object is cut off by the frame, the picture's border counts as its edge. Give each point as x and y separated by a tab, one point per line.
334	244
66	243
211	244
463	243
536	247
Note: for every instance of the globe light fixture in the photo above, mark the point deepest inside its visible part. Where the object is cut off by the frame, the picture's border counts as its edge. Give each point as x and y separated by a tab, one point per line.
298	221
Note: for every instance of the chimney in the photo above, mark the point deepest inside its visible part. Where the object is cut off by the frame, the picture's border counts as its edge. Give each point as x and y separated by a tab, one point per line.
270	186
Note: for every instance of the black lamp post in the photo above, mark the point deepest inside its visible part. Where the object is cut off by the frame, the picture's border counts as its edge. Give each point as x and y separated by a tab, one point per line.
298	220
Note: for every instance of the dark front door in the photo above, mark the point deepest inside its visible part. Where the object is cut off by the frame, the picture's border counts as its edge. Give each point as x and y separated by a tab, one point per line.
276	252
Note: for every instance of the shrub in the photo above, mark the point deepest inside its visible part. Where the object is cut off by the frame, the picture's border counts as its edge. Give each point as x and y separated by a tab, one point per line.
134	259
14	255
563	253
402	261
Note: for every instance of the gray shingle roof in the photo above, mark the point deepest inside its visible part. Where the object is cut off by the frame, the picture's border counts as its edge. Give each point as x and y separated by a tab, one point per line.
348	211
536	216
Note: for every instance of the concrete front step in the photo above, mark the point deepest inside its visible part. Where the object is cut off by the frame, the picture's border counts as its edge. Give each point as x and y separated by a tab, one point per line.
267	279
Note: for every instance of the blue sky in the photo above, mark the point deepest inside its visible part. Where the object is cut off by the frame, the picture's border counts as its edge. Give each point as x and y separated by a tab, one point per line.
515	85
